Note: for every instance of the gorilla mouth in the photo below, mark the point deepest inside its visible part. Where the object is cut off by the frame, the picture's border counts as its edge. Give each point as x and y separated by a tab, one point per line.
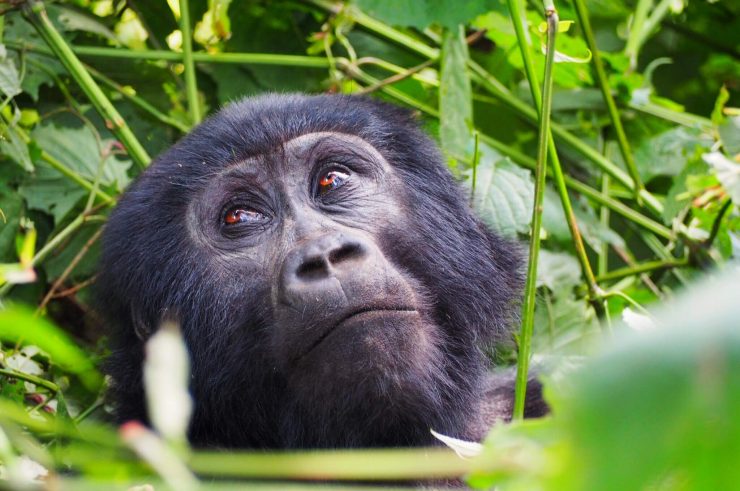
350	315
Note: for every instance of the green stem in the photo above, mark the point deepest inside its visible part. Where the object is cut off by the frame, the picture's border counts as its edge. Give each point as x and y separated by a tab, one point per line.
685	119
36	12
603	263
191	84
518	21
30	378
632	46
655	18
611	106
198	57
643	268
530	289
138	101
660	250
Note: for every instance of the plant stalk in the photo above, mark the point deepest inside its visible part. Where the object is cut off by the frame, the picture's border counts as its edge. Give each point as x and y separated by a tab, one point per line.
36	13
530	289
519	27
598	66
191	84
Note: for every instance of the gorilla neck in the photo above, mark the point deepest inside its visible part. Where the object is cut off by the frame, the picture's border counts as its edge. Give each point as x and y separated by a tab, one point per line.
401	416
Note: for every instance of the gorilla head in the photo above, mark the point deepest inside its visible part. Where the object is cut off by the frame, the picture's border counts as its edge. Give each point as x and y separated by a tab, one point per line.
333	287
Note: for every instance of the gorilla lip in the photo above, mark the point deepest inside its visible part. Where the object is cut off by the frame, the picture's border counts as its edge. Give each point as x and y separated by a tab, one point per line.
345	318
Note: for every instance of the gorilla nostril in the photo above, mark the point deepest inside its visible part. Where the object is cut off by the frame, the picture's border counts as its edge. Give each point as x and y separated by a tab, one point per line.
313	269
346	252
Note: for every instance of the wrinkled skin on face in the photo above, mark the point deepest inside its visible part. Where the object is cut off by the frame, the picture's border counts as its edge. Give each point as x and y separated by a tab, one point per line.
333	287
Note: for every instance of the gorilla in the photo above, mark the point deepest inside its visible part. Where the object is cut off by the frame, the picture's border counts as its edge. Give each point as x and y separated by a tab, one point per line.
333	287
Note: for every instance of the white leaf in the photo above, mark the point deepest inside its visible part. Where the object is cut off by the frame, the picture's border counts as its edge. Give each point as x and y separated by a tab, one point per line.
464	449
638	322
166	373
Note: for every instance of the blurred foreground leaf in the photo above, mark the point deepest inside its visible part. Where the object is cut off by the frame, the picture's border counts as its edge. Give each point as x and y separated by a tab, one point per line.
21	326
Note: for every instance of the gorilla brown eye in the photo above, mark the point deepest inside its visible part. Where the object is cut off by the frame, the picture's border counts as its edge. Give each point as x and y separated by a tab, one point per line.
332	180
242	215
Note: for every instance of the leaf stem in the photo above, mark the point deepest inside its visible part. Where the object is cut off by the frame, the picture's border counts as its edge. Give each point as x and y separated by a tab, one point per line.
191	84
198	57
530	289
36	13
30	378
643	268
611	106
519	27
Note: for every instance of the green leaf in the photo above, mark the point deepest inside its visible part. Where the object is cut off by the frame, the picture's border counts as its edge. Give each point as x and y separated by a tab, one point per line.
503	195
592	230
557	270
78	149
662	407
16	148
666	154
677	197
423	13
455	107
73	20
51	192
21	326
10	82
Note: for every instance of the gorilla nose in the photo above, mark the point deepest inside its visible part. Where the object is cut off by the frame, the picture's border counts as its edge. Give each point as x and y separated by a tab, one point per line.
327	256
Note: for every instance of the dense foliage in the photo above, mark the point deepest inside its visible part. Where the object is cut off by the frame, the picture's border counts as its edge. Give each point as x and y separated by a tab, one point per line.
641	202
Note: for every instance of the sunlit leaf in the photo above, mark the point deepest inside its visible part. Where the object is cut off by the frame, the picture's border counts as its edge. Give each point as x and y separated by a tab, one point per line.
455	104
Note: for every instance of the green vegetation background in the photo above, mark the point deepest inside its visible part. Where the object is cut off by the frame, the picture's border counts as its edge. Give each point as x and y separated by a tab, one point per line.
645	388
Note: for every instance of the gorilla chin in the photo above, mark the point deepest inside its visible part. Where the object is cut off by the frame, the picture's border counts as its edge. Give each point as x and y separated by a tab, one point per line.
333	286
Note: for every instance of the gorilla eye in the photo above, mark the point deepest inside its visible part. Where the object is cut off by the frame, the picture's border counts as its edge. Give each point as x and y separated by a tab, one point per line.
242	215
332	180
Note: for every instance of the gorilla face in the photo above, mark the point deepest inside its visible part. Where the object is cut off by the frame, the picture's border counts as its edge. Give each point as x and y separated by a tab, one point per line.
307	223
333	287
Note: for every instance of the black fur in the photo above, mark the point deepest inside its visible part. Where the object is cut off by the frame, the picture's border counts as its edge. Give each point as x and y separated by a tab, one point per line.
151	268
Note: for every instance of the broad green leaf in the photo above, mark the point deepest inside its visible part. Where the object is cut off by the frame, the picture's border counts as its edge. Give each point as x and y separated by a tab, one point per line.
678	196
557	270
11	207
15	148
503	196
666	154
662	407
729	133
74	20
20	326
564	323
78	149
423	13
455	107
592	230
51	192
10	82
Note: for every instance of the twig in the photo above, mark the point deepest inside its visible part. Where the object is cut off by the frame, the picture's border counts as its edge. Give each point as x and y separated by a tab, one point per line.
396	78
70	267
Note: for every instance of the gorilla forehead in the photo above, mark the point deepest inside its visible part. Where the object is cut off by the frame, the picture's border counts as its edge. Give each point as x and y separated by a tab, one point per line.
260	125
290	157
